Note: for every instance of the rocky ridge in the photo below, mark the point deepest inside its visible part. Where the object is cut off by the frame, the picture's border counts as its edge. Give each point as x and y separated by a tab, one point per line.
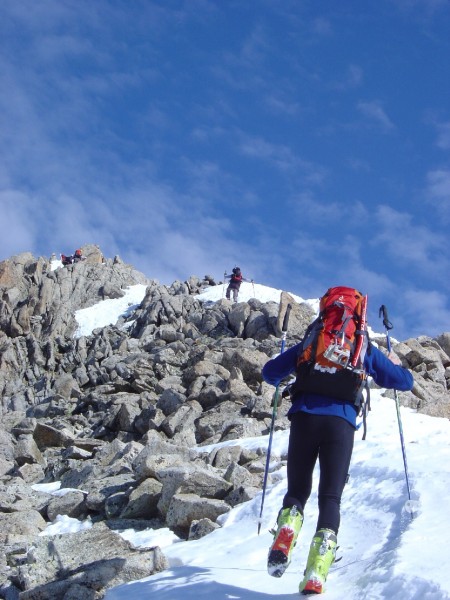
124	418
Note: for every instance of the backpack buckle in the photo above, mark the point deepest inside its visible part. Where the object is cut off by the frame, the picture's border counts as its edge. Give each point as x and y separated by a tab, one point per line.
338	355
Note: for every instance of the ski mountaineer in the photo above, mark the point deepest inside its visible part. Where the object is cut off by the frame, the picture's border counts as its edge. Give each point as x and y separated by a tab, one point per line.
322	427
236	279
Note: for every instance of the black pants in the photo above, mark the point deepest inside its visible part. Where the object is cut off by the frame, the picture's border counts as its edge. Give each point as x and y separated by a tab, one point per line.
331	440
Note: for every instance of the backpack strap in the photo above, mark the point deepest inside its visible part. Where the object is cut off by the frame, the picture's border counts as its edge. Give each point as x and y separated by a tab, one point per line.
311	337
365	408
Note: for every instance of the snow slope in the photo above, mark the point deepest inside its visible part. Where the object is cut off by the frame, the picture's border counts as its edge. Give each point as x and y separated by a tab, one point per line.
386	552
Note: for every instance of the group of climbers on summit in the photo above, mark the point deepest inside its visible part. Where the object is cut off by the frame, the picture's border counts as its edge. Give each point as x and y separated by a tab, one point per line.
72	258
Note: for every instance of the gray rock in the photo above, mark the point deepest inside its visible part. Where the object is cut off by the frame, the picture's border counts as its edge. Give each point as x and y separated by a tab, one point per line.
170	401
186	508
143	501
190	479
46	436
24	522
27	451
71	504
249	361
56	566
181	424
242	494
444	342
200	528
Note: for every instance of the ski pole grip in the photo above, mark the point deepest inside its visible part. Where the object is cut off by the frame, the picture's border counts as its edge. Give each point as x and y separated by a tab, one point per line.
383	312
286	318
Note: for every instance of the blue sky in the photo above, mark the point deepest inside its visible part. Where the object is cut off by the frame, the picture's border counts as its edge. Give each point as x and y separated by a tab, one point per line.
306	141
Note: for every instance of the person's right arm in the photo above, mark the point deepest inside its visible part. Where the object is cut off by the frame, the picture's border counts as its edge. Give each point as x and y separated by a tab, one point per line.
281	366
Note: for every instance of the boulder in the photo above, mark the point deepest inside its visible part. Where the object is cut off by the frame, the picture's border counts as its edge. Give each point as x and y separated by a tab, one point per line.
56	567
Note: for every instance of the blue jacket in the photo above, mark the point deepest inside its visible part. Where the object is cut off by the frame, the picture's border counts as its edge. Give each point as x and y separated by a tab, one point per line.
376	364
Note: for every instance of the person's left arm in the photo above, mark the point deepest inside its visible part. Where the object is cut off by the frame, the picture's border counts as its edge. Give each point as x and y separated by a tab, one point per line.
385	373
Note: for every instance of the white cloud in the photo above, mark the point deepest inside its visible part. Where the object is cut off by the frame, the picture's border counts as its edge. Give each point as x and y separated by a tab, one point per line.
443	140
359	165
279	103
280	156
322	26
355	75
18	223
326	212
255	47
438	191
426	312
341	260
374	112
352	78
416	247
439	184
429	6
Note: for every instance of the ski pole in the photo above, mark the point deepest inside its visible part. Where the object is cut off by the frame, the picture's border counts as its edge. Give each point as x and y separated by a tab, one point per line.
224	284
274	415
388	325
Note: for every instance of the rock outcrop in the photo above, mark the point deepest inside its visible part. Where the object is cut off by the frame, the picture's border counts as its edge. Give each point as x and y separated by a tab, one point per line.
125	418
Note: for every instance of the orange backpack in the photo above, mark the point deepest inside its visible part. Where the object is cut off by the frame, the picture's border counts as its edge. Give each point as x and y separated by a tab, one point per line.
331	358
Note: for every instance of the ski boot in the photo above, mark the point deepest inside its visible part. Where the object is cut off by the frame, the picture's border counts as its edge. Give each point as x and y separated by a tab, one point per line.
321	556
289	523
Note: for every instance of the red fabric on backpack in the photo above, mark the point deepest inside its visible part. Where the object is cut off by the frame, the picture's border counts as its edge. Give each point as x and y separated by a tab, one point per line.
340	313
332	356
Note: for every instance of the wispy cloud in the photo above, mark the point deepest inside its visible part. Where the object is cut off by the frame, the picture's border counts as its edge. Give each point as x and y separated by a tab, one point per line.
438	191
277	102
341	259
321	26
326	212
374	112
255	47
425	311
356	164
443	139
352	78
409	244
244	67
280	156
430	6
19	224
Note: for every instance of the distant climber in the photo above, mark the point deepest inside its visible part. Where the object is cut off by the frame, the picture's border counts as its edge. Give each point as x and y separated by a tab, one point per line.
236	279
73	258
78	256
